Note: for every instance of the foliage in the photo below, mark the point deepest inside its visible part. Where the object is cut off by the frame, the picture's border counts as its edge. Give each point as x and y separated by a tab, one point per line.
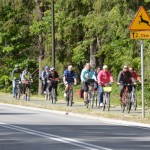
78	24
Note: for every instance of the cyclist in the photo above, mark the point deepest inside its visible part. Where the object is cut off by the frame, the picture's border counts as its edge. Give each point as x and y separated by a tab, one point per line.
69	76
86	74
104	78
53	77
125	77
26	76
134	74
97	70
44	76
16	75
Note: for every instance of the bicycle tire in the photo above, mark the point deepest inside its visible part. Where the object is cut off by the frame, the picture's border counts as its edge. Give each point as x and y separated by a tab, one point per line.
27	97
46	97
52	94
93	99
108	101
128	104
104	102
123	106
135	102
71	97
17	92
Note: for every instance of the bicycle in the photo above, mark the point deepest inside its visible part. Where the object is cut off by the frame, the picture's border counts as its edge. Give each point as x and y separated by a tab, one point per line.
51	90
27	90
48	94
106	97
126	98
17	89
92	94
133	97
69	94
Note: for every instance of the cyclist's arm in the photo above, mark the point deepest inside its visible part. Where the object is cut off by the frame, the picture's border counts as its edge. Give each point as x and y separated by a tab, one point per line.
111	77
82	75
137	77
119	78
64	78
12	75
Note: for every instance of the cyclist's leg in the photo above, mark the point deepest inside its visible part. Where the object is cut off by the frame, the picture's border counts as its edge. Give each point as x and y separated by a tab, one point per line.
100	88
121	91
14	88
24	89
85	94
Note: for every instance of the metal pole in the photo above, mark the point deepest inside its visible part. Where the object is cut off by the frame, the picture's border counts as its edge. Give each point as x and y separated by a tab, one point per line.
142	77
53	34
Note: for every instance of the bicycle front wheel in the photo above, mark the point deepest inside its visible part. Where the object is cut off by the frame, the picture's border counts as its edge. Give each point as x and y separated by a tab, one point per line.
71	97
53	94
108	101
128	102
104	102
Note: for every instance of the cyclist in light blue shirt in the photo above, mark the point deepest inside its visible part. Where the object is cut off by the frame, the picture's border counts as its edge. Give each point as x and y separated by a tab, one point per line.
86	75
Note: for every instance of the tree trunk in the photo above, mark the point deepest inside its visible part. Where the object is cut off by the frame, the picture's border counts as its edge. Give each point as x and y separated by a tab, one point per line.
40	12
92	53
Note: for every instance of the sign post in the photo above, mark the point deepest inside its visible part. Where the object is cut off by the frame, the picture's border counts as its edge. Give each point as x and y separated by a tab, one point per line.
142	78
140	29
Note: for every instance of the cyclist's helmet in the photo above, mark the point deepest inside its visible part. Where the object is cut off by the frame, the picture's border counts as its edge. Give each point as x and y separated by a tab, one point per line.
52	69
105	67
16	66
46	67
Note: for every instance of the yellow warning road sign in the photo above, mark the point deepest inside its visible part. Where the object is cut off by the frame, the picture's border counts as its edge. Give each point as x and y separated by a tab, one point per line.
141	20
140	35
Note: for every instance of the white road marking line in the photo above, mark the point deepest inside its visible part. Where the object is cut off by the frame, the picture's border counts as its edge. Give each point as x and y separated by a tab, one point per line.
55	137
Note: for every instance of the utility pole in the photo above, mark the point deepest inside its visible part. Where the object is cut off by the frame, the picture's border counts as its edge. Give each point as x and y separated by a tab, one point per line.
53	34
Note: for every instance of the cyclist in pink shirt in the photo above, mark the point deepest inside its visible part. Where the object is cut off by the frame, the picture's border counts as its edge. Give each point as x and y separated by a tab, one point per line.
104	78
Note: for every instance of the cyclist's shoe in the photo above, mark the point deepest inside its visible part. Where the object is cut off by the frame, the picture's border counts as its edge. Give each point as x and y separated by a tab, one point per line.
120	99
65	94
86	102
101	104
45	92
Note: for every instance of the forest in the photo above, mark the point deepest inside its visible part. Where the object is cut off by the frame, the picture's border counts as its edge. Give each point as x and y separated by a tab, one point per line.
95	31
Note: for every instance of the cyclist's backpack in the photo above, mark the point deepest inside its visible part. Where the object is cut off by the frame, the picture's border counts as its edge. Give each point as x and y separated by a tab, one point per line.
80	92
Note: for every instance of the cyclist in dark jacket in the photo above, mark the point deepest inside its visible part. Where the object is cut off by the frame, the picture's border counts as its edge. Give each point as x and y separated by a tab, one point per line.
16	75
53	77
69	76
125	77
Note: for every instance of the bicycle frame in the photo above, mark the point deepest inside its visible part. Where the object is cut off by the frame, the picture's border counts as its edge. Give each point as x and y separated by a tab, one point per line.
106	97
27	90
69	97
17	89
126	96
92	96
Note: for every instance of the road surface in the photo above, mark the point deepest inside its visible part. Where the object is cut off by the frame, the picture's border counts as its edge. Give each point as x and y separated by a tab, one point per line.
30	129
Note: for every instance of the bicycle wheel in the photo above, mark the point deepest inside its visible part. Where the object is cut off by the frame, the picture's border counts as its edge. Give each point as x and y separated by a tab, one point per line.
53	94
123	102
70	96
17	92
67	98
128	99
93	98
134	101
27	97
108	101
104	102
46	97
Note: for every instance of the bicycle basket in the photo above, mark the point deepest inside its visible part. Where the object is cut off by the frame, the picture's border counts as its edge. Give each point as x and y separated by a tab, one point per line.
107	88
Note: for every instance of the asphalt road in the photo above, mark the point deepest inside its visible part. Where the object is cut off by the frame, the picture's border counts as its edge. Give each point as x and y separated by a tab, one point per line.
27	129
